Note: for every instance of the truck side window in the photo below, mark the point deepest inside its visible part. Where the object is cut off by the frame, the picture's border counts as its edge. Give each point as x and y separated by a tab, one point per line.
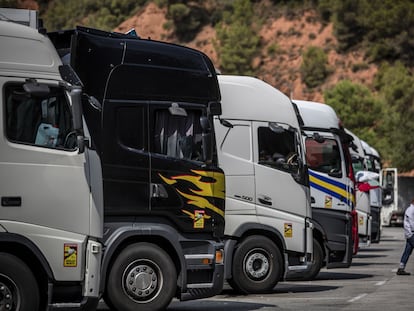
323	157
357	164
277	149
41	121
178	136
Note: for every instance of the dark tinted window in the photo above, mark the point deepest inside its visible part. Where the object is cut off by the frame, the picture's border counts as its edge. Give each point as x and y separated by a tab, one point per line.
324	156
277	149
42	121
178	136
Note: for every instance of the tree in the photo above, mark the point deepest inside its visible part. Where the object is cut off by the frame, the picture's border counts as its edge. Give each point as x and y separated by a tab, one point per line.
347	27
237	40
102	14
358	109
314	68
395	84
188	19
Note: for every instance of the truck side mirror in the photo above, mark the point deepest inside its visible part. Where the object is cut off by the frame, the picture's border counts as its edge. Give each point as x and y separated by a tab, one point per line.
76	98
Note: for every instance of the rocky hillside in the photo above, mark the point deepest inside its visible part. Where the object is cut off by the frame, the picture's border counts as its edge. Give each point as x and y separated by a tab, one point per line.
280	68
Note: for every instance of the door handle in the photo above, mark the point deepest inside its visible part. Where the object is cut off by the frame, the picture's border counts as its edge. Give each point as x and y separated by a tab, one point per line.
264	199
158	191
11	201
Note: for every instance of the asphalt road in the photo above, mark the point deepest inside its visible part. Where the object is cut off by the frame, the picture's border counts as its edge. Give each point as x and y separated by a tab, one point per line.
369	284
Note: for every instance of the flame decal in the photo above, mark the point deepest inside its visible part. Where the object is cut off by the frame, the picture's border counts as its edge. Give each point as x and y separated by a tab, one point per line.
201	202
198	197
193	216
207	189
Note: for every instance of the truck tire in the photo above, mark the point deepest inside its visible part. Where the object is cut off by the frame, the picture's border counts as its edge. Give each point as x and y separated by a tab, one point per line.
257	265
143	277
317	262
18	286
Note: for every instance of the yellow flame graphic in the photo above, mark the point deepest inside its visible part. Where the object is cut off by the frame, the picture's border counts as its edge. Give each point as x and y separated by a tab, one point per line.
201	202
207	189
215	189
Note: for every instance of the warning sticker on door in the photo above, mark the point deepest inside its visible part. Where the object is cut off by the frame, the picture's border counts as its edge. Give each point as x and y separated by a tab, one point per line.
70	255
288	230
328	201
199	219
361	220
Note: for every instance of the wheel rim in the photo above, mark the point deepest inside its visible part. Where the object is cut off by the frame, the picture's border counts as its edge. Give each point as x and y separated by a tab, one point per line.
257	264
9	294
142	280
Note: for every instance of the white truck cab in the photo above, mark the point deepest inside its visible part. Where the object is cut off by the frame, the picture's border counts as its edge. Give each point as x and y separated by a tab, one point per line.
51	212
331	181
268	233
373	166
364	180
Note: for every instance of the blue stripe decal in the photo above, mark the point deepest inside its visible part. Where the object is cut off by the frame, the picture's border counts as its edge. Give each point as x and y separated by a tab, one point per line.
328	180
323	189
334	194
331	192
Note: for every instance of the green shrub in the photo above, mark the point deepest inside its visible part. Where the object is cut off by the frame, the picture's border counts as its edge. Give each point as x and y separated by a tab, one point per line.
238	40
314	68
187	19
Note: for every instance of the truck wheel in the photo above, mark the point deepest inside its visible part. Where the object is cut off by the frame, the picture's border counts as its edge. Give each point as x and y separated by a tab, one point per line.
316	262
143	277
257	265
18	286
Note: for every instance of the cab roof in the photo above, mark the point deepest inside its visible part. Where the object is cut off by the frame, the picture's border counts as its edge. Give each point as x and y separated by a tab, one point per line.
25	50
317	115
248	98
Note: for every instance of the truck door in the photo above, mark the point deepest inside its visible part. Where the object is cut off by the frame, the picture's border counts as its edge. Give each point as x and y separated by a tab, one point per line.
125	158
39	161
236	157
389	184
277	158
184	186
332	196
330	187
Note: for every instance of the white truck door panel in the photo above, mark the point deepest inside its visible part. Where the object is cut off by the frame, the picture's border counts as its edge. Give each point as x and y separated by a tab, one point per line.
275	186
41	174
234	147
364	210
330	185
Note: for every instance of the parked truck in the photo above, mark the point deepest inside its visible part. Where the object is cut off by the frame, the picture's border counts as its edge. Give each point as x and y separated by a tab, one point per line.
332	186
373	164
362	190
151	124
51	213
268	228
